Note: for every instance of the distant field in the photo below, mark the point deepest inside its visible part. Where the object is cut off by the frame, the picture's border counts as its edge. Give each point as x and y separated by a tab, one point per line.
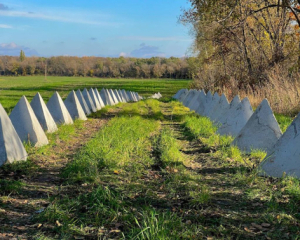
12	88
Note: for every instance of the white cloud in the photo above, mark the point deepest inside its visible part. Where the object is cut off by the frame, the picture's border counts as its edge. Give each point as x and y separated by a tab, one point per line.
5	26
12	49
123	54
147	51
56	17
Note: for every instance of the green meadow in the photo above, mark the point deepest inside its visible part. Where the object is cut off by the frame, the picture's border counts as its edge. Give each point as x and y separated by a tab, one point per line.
12	88
145	170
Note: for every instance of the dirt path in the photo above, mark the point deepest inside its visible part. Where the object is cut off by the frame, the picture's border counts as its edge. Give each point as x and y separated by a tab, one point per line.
17	209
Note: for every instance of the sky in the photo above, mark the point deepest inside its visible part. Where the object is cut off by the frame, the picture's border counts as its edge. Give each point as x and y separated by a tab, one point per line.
130	28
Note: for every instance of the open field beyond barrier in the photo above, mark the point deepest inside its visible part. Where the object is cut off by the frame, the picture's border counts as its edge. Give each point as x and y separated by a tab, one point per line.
145	170
12	88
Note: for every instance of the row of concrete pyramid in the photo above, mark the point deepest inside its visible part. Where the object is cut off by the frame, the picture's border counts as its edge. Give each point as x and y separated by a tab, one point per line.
28	122
251	130
156	95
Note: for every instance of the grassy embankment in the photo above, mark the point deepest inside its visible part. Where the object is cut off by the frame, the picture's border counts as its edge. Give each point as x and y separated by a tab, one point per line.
157	171
12	88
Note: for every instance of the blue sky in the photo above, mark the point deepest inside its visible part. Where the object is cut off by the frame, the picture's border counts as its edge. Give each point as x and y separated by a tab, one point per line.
137	28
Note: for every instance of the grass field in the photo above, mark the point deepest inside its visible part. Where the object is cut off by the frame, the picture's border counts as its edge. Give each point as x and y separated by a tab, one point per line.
145	170
12	88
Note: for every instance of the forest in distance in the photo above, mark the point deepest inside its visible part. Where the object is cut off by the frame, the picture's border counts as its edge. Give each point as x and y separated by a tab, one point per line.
155	67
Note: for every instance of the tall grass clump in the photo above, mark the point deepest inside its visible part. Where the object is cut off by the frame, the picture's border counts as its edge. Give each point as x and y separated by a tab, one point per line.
124	142
199	126
203	129
168	148
154	108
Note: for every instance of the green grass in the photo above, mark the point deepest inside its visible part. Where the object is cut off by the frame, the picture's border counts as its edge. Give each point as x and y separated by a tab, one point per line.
12	88
122	144
158	171
283	121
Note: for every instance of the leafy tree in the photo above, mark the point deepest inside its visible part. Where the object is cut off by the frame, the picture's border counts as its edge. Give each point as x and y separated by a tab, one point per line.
22	56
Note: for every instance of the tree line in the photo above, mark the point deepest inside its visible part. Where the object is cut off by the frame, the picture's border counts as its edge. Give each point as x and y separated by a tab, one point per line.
240	43
155	67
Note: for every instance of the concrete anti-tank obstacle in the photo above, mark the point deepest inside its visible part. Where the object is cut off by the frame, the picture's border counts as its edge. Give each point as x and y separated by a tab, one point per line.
129	96
188	97
202	103
74	107
42	114
207	104
198	104
100	100
135	96
89	100
58	110
27	125
284	159
121	95
132	96
228	111
94	99
11	147
215	101
179	92
195	101
237	119
223	105
260	132
83	103
113	96
125	95
183	95
106	97
117	95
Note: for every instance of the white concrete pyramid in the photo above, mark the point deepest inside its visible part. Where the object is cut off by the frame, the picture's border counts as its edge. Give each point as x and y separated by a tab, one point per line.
117	95
89	100
215	101
219	108
193	100
133	96
188	98
260	132
130	96
125	95
27	125
113	96
74	107
42	114
136	98
100	100
94	99
58	110
197	100
122	96
285	156
228	111
183	95
106	97
207	104
177	95
202	103
237	119
11	147
83	103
